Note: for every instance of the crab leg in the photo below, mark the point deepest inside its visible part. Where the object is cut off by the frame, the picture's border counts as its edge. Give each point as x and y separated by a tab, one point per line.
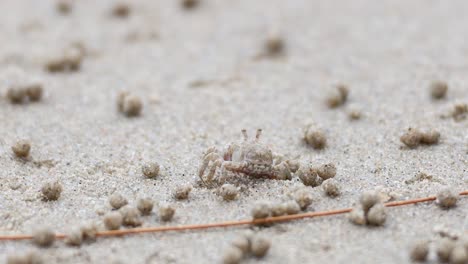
212	171
233	166
209	151
208	157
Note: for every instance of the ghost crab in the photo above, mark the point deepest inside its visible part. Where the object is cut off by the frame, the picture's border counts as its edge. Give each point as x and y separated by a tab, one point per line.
249	157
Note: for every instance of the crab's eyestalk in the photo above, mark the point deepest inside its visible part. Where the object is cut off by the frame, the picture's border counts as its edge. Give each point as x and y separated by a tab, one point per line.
244	134
259	133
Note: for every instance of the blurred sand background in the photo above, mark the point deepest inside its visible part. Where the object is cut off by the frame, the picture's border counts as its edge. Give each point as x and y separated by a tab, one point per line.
388	52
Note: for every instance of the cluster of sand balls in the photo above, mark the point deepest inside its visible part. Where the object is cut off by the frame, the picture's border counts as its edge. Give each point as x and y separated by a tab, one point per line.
67	60
46	237
338	97
122	215
370	212
321	175
21	88
129	216
298	200
86	233
246	245
120	10
453	250
438	91
31	257
25	93
50	191
314	176
414	137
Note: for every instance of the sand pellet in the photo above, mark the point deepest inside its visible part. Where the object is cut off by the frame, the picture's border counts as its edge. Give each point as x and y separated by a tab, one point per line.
182	192
64	6
128	104
166	212
279	209
113	220
242	243
117	201
274	45
260	246
44	237
292	207
438	89
151	170
419	251
459	254
190	4
145	206
412	138
357	216
229	192
51	191
261	210
331	187
232	255
121	10
460	112
444	249
430	137
21	148
130	216
447	198
89	232
327	171
74	238
338	97
377	215
303	198
369	199
315	137
354	114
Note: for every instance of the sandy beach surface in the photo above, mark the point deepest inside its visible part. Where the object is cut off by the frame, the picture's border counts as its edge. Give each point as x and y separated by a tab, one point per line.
201	80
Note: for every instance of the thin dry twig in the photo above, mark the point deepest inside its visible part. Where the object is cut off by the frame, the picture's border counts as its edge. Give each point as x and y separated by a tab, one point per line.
276	219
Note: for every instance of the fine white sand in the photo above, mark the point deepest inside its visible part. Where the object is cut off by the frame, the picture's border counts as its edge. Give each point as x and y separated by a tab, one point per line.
388	52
